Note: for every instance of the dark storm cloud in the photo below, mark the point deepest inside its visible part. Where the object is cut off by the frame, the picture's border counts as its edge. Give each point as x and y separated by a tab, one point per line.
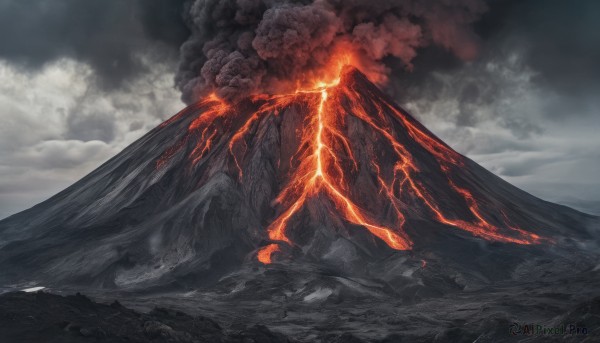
91	126
557	41
488	89
562	42
238	47
108	35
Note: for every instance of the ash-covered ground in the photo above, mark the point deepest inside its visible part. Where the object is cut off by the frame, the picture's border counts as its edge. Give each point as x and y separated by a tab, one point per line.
280	305
333	309
45	317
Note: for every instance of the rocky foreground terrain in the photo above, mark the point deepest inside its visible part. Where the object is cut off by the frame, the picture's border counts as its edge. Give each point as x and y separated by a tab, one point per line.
46	317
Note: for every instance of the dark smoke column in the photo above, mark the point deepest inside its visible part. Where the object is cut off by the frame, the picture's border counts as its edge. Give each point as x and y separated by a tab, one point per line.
239	47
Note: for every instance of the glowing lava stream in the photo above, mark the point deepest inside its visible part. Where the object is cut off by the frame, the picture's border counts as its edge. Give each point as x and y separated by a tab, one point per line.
313	178
323	150
315	174
203	124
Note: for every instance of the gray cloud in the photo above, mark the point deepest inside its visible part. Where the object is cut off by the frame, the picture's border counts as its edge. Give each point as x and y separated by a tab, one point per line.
498	89
108	35
240	47
555	42
562	43
57	127
91	126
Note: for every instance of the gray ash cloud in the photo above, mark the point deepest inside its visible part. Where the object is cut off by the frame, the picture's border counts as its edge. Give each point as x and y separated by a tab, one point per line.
244	46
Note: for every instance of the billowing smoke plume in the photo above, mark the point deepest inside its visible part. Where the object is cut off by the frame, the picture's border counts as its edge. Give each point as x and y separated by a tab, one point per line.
239	47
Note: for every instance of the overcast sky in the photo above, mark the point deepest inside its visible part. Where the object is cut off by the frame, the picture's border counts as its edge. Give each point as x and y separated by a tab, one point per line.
80	80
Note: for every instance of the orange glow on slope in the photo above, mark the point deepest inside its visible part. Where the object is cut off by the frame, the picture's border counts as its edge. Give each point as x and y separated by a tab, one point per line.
448	158
203	127
320	171
325	160
264	255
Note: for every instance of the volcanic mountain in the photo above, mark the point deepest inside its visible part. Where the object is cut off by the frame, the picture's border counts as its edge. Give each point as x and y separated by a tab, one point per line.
335	179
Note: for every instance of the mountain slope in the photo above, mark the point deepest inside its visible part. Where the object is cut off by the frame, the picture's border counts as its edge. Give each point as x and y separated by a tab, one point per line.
336	178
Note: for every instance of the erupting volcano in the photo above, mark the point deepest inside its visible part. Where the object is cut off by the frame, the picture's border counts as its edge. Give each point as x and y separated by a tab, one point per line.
328	194
324	161
330	174
293	197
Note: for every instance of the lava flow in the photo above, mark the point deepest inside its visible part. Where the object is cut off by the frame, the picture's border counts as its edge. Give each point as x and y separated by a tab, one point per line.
325	161
321	170
203	126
